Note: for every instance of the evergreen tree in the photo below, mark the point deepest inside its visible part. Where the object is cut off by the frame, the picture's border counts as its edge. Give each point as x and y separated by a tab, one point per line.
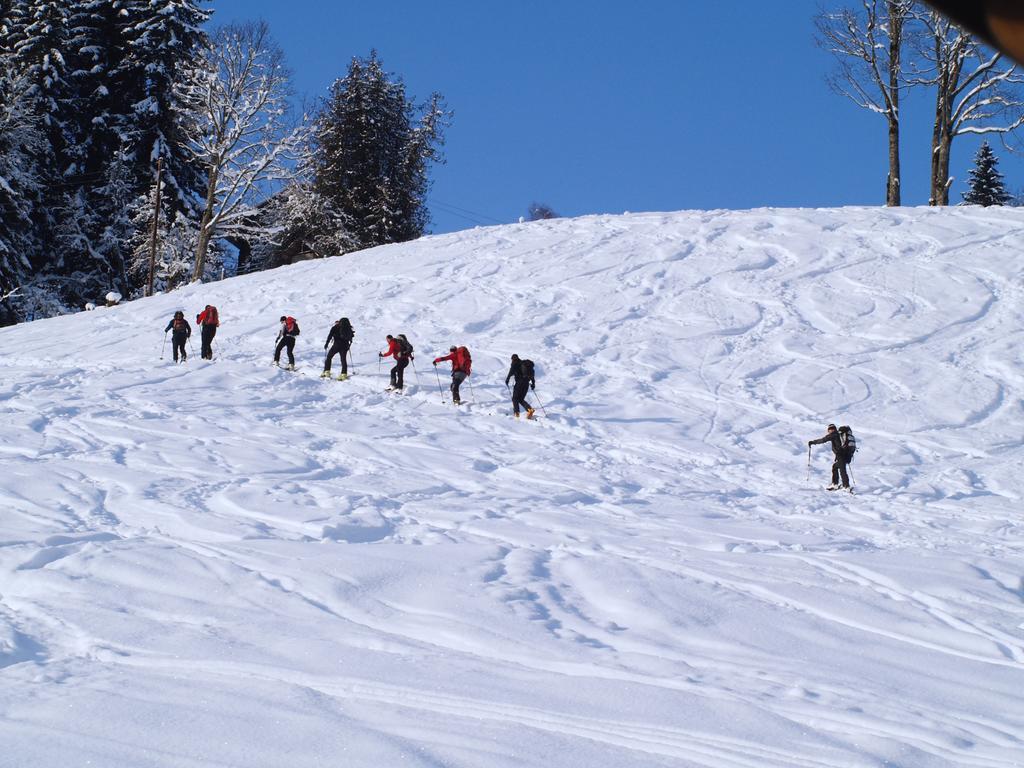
371	154
304	224
101	165
162	42
157	48
21	140
36	44
985	186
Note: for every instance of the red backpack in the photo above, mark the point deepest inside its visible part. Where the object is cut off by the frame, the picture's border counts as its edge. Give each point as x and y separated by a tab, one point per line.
463	361
208	316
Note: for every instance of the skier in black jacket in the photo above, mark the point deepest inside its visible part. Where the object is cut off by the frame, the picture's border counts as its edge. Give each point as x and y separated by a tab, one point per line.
522	372
843	456
339	340
181	332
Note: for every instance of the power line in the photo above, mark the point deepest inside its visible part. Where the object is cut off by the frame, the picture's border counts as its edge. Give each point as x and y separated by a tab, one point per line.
466	213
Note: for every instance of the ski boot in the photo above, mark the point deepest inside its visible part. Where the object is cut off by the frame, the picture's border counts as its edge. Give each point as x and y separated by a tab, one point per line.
530	412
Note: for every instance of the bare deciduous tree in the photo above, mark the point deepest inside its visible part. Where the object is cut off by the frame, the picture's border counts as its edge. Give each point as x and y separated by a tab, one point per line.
867	43
242	136
977	91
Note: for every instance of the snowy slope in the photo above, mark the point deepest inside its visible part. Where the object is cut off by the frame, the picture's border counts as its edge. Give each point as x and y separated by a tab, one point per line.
225	564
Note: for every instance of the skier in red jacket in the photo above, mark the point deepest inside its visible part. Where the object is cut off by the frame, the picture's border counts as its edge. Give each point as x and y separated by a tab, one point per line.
208	321
400	349
462	365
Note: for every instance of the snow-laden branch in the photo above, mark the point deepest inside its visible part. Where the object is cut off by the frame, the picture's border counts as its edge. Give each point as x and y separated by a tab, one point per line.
867	45
976	92
242	136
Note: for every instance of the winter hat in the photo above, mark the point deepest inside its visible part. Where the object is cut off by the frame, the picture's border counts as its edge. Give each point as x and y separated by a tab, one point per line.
830	428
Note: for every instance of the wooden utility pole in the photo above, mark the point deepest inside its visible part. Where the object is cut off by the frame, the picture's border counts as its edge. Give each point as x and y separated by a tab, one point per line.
156	220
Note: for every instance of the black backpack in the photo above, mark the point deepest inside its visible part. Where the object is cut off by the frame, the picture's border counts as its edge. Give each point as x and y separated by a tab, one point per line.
526	366
848	441
404	346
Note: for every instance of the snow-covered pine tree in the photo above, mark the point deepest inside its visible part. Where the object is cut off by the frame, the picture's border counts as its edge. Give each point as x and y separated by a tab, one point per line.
162	44
371	156
175	246
985	185
97	75
300	224
21	141
98	161
36	43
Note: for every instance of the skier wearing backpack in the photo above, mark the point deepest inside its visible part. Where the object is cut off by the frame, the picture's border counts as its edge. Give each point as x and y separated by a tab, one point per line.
286	340
339	340
401	350
522	371
180	332
462	364
843	447
208	322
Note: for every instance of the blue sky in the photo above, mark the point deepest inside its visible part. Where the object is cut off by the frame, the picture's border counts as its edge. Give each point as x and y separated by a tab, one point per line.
594	106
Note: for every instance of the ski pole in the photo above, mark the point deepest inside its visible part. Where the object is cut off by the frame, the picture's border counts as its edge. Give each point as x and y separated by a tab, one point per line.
542	409
351	361
163	346
415	370
808	464
849	468
439	387
191	348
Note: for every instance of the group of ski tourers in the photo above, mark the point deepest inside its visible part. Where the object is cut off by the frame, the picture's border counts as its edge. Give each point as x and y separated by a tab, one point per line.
339	342
401	350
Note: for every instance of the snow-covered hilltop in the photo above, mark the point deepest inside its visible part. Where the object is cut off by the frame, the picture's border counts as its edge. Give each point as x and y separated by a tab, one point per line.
229	564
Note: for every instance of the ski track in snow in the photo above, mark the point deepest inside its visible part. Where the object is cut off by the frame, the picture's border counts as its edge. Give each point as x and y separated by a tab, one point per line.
227	563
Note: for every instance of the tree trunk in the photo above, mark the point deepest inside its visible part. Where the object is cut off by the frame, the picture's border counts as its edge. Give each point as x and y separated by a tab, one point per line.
892	191
942	140
896	15
942	180
204	226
